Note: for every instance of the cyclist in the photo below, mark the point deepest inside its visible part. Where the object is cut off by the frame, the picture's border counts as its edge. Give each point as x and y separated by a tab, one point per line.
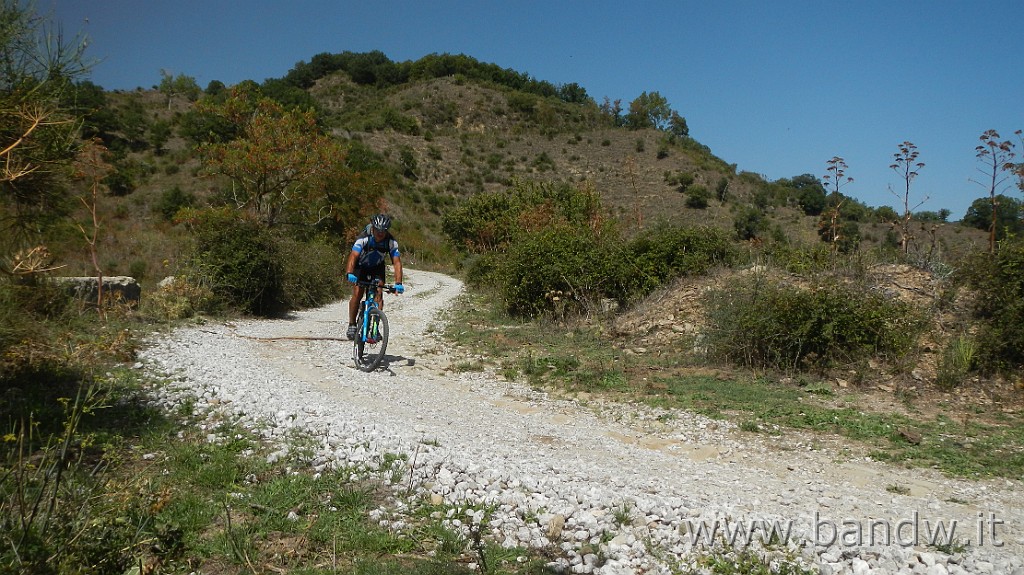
366	263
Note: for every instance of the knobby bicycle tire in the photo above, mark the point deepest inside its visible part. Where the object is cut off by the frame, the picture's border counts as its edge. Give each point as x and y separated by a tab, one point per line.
369	345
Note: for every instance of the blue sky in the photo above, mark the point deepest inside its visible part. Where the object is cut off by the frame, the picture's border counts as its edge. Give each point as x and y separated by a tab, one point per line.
776	87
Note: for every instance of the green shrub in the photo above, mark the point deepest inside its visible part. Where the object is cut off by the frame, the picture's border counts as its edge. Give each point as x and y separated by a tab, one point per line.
173	200
958	359
137	269
483	223
811	200
408	163
180	299
681	180
998	280
399	122
722	189
843	234
544	246
482	269
799	259
543	162
566	268
121	182
698	197
560	269
666	251
239	261
760	324
489	222
312	272
522	103
750	223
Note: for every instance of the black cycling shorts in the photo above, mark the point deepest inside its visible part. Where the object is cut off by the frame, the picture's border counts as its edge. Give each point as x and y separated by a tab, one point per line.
369	274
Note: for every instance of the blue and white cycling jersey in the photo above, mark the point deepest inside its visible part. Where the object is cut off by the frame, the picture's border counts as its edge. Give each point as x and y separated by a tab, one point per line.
371	253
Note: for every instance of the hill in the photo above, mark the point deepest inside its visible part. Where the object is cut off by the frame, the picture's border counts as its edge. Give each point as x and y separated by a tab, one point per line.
446	138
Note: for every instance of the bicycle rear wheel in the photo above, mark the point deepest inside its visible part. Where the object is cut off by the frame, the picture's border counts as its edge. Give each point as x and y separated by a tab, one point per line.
371	341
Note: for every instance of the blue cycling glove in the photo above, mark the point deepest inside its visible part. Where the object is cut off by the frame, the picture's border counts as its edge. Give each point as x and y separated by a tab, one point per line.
399	288
352	278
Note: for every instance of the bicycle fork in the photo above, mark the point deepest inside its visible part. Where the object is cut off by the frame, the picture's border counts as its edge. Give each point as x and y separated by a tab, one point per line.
368	333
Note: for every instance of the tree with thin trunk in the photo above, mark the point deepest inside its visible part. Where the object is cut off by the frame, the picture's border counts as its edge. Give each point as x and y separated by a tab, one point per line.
906	165
180	85
995	158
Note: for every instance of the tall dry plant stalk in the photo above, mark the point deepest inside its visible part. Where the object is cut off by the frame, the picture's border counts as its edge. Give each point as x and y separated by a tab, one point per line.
995	157
638	216
906	165
91	167
835	179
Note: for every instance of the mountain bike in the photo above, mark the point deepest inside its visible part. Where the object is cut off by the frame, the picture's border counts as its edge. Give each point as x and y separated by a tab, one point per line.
372	327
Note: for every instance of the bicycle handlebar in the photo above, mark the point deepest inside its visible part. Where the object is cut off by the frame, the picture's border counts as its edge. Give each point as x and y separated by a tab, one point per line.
377	283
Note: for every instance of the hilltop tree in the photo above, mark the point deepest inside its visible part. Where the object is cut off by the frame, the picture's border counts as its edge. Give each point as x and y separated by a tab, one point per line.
215	88
612	110
906	165
180	85
995	157
649	111
677	125
573	93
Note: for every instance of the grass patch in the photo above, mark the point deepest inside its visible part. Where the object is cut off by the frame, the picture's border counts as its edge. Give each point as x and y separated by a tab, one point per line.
579	356
144	490
974	449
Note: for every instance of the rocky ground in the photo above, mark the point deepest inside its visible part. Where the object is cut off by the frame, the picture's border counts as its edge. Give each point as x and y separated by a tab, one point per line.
608	488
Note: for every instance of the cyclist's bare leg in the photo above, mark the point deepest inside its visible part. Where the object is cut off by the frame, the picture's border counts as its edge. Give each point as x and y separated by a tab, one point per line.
353	304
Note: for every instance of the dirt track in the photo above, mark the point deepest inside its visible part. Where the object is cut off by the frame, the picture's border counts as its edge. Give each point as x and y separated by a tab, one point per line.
579	457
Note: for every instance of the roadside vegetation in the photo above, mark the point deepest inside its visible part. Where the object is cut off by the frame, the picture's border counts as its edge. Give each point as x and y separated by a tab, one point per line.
119	486
789	339
585	360
568	217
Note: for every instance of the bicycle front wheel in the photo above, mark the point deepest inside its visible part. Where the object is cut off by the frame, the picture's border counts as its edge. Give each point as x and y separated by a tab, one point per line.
371	341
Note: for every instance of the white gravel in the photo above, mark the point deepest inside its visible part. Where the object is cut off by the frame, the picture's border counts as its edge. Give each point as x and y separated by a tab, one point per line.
618	488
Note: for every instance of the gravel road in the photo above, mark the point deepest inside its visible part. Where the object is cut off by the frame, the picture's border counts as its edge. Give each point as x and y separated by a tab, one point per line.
618	488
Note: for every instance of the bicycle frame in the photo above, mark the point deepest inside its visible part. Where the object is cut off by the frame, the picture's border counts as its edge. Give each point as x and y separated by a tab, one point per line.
370	302
371	338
